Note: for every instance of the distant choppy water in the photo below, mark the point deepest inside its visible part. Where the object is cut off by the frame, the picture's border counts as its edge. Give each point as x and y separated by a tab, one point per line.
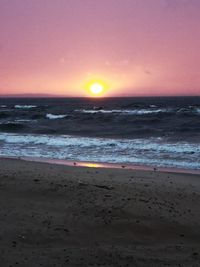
152	131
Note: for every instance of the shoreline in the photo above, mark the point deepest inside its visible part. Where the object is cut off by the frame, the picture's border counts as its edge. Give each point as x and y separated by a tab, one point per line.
104	165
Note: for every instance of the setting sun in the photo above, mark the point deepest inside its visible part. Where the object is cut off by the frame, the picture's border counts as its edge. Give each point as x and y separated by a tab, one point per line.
96	88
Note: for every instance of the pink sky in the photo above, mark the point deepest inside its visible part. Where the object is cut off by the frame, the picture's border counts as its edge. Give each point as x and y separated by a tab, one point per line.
137	47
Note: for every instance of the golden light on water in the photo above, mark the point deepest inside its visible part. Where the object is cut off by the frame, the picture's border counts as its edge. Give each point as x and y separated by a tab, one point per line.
90	164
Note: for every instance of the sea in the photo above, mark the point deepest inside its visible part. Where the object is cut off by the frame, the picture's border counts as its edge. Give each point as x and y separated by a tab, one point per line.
146	131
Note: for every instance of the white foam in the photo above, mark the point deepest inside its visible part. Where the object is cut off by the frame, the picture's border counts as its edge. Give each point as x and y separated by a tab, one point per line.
3	106
198	110
126	111
25	106
55	117
153	151
153	106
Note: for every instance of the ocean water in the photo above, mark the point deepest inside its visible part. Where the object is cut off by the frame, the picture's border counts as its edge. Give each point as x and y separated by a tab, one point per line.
159	132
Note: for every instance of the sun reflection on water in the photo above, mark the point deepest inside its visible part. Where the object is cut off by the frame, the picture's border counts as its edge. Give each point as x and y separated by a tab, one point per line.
90	164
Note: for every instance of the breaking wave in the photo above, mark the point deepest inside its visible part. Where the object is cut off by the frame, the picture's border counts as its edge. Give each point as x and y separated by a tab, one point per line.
126	111
25	106
55	117
152	151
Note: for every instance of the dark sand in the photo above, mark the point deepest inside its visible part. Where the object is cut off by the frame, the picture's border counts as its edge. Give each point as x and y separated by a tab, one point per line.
54	215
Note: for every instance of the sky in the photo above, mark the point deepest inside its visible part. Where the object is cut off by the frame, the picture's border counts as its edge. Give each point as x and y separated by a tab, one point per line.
135	47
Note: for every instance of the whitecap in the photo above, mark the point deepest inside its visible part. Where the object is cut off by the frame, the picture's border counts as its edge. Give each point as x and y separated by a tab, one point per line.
198	110
126	111
25	106
55	117
153	106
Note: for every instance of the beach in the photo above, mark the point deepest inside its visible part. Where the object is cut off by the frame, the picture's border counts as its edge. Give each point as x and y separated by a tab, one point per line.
56	215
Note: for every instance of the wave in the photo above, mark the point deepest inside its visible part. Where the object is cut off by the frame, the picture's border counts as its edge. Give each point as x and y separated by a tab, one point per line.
55	117
190	109
23	120
153	106
3	106
25	106
144	111
126	111
198	110
152	151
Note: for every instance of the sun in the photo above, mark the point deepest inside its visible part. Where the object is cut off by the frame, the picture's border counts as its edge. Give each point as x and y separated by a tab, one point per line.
96	88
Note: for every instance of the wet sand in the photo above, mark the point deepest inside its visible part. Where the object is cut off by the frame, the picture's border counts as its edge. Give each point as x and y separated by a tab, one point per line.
56	215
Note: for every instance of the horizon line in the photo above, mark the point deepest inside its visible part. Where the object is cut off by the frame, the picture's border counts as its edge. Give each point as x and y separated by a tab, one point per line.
65	96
